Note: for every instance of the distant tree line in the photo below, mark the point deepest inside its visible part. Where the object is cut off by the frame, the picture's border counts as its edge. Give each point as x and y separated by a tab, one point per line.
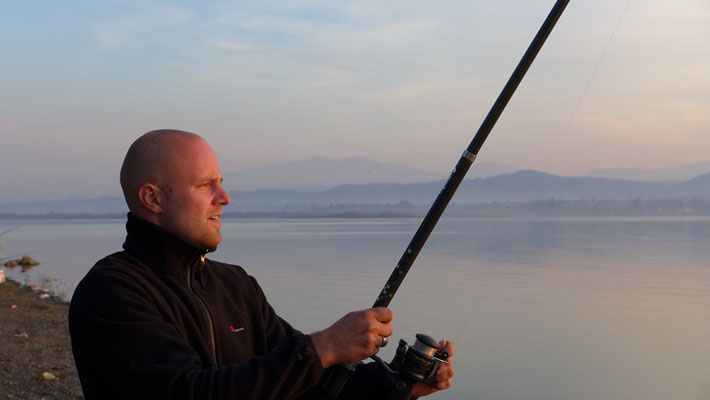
697	206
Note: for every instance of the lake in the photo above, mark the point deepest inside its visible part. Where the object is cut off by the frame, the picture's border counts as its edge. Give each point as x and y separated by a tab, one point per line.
539	309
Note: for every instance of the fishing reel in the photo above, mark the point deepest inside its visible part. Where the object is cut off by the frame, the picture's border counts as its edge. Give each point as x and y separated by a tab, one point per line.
411	364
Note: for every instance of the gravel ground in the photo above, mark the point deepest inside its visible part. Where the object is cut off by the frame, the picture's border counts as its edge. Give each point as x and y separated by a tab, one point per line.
34	343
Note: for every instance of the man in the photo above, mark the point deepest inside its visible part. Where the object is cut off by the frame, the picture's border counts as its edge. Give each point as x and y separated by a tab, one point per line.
160	320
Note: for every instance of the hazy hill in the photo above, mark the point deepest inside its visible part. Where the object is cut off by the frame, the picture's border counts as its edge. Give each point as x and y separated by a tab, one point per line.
520	187
529	184
323	172
680	173
71	205
697	186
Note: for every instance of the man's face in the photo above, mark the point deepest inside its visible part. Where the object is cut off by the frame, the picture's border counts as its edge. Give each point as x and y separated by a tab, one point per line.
193	195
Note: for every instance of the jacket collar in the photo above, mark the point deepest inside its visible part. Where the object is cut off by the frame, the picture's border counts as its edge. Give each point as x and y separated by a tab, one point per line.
159	249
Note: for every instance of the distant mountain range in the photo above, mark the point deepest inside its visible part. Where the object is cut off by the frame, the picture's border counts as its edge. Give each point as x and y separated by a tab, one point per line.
681	173
520	186
322	173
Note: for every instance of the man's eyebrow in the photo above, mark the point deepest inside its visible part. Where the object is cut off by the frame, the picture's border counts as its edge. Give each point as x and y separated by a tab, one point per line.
210	178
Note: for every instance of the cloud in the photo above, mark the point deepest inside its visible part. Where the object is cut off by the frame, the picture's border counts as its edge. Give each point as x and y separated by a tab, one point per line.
406	92
229	45
319	72
402	32
138	23
334	77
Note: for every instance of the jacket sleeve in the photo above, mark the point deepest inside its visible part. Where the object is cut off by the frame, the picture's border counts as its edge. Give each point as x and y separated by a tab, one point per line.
125	349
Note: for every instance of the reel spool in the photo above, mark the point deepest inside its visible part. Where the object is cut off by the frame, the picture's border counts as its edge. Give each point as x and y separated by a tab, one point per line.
411	364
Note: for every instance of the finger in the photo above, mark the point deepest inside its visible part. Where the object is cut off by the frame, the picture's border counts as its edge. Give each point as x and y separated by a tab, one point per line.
374	342
381	321
442	385
383	342
386	330
445	372
447	346
384	315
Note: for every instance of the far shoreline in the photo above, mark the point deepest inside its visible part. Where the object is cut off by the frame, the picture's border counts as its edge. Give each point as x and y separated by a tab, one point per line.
484	212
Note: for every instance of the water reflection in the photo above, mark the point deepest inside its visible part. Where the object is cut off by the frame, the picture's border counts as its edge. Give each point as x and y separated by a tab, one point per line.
539	309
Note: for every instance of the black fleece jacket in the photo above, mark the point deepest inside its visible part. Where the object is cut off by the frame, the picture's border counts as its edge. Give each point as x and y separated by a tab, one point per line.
160	321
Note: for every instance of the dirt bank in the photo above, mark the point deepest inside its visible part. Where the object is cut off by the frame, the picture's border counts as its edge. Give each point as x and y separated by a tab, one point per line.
35	351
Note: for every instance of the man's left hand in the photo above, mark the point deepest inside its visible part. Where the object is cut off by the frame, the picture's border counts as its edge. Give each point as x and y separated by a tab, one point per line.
442	379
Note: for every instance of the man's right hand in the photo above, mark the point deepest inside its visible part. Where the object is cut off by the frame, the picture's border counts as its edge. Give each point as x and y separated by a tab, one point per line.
354	337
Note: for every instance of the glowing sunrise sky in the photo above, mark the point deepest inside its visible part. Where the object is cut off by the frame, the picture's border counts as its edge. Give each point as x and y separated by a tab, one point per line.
396	81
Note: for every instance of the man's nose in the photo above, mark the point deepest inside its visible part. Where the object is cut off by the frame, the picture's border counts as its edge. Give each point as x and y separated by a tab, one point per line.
222	196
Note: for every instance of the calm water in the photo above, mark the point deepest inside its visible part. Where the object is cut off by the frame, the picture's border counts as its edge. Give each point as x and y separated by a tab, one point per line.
539	309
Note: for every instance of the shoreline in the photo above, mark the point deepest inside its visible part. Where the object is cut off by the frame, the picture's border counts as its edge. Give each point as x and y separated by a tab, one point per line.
36	360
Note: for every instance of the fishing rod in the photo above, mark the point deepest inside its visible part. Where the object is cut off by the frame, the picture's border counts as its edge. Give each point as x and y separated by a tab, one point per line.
467	158
340	374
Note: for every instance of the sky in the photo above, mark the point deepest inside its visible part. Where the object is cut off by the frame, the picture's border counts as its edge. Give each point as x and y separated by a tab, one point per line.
619	84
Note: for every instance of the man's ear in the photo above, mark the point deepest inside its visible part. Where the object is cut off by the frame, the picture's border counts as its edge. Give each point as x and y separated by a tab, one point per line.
151	198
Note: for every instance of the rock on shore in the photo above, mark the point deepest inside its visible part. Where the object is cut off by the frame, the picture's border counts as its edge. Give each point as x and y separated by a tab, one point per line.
25	262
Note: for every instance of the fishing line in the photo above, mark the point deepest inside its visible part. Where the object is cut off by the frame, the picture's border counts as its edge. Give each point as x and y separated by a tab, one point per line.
335	381
2	244
586	87
479	295
474	304
9	230
18	255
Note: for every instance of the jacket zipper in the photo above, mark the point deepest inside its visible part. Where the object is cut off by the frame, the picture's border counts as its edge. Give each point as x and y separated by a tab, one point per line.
204	307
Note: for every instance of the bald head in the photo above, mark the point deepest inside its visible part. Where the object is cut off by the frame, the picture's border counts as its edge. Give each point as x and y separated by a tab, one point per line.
149	160
172	179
